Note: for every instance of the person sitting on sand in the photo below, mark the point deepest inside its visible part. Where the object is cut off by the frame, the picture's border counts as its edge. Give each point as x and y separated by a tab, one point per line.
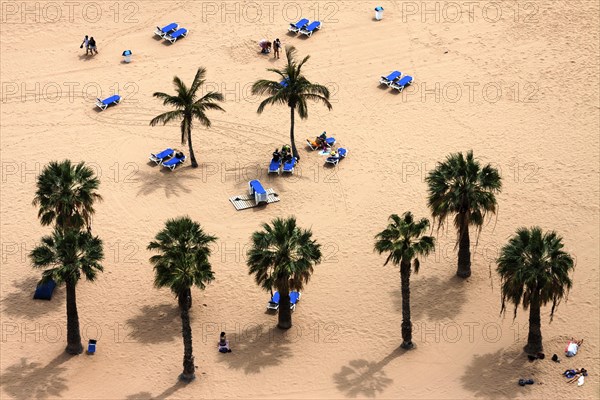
224	344
276	155
572	347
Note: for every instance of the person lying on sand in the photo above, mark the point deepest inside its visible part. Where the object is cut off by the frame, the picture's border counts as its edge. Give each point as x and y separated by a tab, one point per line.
572	347
576	375
224	344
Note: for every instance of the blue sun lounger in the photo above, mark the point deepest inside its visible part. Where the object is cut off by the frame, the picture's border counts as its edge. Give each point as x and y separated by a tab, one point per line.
402	83
289	166
91	346
274	303
103	104
173	163
386	80
162	156
310	29
165	30
330	142
274	167
284	82
256	189
335	160
298	25
45	290
179	33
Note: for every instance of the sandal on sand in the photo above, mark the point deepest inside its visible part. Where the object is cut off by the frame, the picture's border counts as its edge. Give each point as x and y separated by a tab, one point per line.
522	382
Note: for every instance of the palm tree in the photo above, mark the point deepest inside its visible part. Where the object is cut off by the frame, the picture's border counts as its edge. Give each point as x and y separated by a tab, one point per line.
404	242
182	262
462	187
66	194
534	271
66	255
283	256
295	92
188	107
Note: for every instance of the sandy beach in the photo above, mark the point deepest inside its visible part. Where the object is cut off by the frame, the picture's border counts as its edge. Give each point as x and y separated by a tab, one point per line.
515	81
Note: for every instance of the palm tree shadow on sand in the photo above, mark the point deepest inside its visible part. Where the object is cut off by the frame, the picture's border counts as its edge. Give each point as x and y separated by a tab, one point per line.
364	378
259	349
155	324
167	393
496	375
171	183
430	297
21	303
31	380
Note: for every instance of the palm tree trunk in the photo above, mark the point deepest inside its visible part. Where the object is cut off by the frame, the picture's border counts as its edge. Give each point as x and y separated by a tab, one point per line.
294	149
74	345
189	369
406	323
192	156
464	251
534	340
285	314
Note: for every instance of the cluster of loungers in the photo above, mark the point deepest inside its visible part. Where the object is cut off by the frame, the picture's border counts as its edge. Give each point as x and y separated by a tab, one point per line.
305	27
171	32
329	142
395	80
274	302
279	166
168	159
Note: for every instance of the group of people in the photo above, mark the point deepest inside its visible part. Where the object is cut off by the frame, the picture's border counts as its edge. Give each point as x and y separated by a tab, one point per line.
266	47
90	45
320	142
284	155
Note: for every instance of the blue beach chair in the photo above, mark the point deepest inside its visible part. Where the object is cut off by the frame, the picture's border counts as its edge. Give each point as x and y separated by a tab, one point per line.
274	166
91	346
298	25
162	156
336	159
172	27
289	166
402	83
103	104
386	80
173	162
310	29
273	304
179	33
45	291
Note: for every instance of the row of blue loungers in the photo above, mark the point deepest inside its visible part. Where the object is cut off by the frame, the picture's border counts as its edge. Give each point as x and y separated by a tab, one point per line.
167	159
395	80
171	32
305	27
273	304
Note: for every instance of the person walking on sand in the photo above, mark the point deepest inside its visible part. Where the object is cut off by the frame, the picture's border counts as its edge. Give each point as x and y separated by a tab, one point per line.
86	43
276	47
92	45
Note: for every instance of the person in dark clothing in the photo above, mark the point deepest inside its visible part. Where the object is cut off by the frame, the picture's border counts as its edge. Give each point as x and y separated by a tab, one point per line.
92	45
276	155
276	47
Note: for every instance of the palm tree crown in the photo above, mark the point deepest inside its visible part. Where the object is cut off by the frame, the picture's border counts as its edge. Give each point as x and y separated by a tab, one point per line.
182	262
534	264
294	93
283	256
461	186
66	194
188	107
403	240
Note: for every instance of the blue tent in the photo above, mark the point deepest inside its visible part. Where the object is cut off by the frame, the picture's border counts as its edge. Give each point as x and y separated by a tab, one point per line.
45	290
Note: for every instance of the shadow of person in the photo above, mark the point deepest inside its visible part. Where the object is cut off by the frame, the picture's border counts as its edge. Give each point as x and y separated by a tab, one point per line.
155	324
21	303
31	380
258	348
365	378
496	375
433	297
